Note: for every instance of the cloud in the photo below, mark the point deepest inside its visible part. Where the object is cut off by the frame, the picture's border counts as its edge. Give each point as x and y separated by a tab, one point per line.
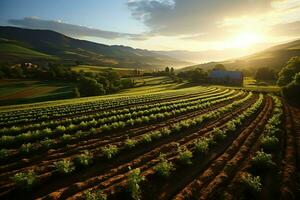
289	29
72	30
192	16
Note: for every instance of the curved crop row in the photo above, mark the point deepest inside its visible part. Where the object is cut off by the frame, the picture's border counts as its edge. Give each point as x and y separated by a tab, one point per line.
7	141
36	114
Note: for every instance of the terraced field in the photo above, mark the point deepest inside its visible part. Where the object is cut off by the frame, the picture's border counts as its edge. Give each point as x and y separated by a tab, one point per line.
207	143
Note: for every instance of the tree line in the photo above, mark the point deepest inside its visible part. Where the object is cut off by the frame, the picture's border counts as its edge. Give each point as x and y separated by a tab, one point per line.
87	83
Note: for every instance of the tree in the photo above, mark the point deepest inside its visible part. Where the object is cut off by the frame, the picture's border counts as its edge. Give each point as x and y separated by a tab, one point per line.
167	70
127	83
198	76
90	87
172	71
219	67
287	73
265	74
292	90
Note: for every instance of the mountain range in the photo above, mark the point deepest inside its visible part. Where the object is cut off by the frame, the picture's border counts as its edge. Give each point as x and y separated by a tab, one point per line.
26	45
274	57
40	46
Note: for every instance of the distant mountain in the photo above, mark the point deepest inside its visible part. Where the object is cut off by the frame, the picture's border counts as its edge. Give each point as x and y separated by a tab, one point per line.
19	45
203	56
274	57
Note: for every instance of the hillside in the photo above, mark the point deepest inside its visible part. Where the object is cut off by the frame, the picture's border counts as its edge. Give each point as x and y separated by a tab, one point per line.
45	45
274	57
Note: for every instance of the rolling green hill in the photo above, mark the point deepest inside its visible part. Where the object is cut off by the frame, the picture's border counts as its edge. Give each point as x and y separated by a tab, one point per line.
45	45
274	57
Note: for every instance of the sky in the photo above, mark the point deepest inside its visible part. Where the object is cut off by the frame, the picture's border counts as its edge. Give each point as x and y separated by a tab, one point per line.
243	26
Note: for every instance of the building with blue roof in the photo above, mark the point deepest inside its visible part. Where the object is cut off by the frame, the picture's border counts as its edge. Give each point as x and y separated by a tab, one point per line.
226	77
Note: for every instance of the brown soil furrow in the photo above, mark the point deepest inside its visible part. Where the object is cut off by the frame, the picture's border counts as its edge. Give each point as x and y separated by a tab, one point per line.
198	185
289	163
238	162
120	179
67	189
70	150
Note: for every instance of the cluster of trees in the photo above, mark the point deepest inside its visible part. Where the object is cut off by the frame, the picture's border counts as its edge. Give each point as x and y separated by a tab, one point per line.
169	71
88	83
265	74
197	75
289	79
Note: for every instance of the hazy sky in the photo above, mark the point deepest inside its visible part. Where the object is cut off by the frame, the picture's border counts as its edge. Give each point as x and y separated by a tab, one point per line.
194	25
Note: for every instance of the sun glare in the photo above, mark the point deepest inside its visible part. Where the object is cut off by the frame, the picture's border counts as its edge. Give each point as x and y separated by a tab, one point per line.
246	39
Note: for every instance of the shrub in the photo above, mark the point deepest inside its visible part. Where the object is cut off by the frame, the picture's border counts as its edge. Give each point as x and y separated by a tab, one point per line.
164	167
64	166
110	150
251	183
130	143
84	159
202	145
262	161
133	181
185	155
95	195
25	180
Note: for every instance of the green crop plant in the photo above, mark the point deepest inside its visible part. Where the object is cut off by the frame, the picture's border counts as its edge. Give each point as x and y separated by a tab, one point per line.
130	143
84	159
133	183
110	150
95	195
25	180
185	155
202	145
64	166
262	161
251	183
164	167
26	148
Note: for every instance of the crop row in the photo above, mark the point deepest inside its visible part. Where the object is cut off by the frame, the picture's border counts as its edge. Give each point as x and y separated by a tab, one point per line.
34	114
184	152
90	128
111	115
91	143
177	127
248	180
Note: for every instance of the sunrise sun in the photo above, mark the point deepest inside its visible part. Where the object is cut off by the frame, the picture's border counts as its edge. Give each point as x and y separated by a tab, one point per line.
246	39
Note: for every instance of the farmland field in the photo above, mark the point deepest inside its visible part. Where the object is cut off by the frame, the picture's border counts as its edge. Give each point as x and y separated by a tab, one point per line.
16	91
88	68
190	143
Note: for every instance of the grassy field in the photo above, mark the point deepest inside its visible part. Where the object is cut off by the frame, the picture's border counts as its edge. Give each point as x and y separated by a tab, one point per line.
15	50
34	91
89	68
16	91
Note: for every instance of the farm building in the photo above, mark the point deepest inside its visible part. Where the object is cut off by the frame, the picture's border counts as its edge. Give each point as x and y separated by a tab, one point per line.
226	77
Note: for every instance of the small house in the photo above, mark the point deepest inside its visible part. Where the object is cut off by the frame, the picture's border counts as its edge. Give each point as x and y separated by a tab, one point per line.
226	77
